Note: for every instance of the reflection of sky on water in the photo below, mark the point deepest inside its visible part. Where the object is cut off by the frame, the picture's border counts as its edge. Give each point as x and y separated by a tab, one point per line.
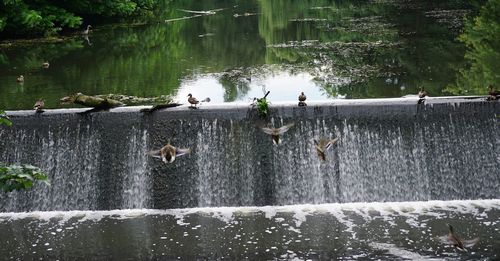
282	85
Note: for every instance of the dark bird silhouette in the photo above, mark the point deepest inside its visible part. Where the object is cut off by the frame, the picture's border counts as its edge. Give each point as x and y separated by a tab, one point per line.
39	105
276	132
168	153
323	145
453	239
302	99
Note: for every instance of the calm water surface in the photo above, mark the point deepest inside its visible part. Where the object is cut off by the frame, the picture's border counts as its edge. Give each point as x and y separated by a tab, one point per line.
328	49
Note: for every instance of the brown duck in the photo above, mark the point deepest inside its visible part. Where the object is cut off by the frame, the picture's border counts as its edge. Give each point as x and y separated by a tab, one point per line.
39	105
276	132
323	145
453	239
422	93
302	99
193	101
168	153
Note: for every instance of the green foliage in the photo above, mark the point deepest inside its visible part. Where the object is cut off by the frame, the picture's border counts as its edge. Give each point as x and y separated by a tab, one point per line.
483	52
4	119
21	18
20	177
262	107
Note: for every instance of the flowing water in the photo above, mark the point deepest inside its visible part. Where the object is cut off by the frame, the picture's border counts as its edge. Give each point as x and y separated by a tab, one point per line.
328	49
398	174
387	231
386	152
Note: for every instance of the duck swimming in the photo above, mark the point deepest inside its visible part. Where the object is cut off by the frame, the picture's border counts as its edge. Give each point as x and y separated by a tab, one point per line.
302	99
276	132
39	105
323	145
168	153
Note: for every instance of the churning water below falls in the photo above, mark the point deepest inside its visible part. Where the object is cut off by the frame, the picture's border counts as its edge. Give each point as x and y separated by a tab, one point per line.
387	231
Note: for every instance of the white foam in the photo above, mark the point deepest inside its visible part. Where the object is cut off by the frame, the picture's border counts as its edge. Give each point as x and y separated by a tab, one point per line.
386	210
399	252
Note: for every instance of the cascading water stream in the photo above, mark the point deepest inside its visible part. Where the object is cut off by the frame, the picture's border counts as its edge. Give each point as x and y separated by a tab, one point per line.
385	153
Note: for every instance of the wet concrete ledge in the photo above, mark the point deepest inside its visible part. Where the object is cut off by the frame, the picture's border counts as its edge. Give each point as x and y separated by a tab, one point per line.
341	107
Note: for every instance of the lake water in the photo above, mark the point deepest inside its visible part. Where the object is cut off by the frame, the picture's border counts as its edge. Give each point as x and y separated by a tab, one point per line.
236	49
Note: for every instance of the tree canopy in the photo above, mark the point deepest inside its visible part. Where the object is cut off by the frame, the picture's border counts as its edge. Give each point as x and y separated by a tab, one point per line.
21	18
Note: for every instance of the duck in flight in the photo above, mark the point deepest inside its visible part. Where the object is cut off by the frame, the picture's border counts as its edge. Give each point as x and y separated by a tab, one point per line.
276	132
323	145
453	239
168	153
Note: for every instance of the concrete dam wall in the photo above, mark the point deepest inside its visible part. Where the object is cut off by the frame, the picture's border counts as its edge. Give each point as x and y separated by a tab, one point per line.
388	150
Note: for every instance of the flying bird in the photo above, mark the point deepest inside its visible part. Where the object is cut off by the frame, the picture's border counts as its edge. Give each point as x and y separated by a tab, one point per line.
323	145
453	239
20	79
168	153
276	132
45	65
302	99
39	105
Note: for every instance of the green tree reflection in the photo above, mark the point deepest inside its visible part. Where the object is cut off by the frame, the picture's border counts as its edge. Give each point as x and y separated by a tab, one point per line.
481	36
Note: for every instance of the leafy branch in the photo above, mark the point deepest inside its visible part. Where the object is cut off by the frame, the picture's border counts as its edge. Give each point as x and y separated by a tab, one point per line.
4	119
20	177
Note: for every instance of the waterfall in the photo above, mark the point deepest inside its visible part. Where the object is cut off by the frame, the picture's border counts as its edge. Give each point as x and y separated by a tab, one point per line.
392	152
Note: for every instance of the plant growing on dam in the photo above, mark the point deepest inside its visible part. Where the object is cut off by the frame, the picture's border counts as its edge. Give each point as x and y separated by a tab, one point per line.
4	119
262	105
18	177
